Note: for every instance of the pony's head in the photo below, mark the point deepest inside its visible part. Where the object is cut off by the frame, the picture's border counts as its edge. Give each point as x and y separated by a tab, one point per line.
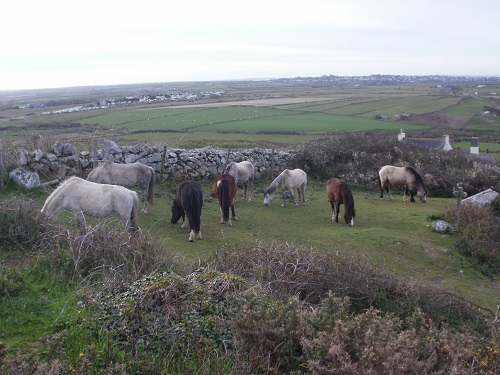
176	213
422	193
268	197
349	218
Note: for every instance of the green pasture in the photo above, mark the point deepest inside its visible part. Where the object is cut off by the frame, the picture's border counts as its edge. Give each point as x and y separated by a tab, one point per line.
238	119
467	106
371	107
217	140
394	235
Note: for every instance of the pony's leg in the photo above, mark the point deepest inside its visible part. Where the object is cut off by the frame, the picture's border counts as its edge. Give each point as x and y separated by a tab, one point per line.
333	210
298	193
145	194
222	221
337	213
405	193
388	189
250	195
303	191
199	235
245	185
412	197
191	236
283	202
80	220
233	213
183	221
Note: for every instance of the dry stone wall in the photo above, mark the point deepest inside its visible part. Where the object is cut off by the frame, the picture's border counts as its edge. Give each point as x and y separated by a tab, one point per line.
65	160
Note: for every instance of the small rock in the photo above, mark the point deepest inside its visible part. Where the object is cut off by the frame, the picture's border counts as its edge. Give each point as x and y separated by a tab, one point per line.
441	226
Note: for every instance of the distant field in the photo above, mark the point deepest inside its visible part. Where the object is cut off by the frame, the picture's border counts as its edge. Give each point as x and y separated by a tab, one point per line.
244	118
259	114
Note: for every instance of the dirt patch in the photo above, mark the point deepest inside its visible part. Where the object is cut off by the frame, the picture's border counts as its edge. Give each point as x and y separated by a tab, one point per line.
440	120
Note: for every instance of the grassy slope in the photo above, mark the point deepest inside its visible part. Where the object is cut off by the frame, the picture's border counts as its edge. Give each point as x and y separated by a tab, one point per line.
391	234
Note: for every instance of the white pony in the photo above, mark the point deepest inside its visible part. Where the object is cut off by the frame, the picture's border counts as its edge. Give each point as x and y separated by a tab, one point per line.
288	180
80	197
243	172
127	175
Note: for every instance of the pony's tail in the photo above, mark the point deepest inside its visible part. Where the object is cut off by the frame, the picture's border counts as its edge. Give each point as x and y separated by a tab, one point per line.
224	194
134	224
197	216
152	182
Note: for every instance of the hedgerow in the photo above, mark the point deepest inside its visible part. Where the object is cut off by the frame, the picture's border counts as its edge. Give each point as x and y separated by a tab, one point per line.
357	159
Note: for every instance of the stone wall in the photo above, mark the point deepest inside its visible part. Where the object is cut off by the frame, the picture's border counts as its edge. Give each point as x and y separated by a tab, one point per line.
65	160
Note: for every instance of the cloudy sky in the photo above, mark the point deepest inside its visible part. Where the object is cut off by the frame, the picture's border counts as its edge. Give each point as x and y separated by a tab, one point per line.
55	43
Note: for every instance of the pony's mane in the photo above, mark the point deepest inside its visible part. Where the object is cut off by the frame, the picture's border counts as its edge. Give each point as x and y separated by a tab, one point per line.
61	185
350	205
276	183
418	177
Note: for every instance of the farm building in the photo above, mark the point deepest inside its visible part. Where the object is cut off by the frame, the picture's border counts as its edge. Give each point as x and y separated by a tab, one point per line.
442	143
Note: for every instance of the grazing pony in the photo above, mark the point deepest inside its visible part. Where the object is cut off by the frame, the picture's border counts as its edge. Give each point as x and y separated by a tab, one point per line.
288	180
242	172
225	191
81	197
338	193
127	175
188	202
406	177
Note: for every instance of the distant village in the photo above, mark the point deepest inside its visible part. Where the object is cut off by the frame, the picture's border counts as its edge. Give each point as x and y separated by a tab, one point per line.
443	84
131	100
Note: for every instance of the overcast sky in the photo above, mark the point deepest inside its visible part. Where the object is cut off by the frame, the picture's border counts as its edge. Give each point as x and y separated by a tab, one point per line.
55	43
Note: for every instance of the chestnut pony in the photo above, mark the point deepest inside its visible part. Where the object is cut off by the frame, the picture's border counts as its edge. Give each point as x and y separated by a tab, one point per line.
338	193
225	191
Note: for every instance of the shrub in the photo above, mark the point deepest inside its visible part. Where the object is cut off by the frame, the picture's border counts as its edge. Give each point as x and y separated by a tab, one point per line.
357	159
165	321
479	235
335	342
284	270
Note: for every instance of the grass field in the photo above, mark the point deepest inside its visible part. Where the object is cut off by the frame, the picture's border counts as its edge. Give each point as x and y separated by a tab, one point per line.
394	235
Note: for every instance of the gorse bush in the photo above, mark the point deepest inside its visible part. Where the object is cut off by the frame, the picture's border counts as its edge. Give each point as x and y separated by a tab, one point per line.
358	158
275	309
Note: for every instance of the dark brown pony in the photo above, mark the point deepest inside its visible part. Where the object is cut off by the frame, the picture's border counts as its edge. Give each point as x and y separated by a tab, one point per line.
225	191
188	202
338	193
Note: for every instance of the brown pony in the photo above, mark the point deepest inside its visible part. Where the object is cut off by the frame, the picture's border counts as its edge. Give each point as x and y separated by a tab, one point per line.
338	193
225	191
